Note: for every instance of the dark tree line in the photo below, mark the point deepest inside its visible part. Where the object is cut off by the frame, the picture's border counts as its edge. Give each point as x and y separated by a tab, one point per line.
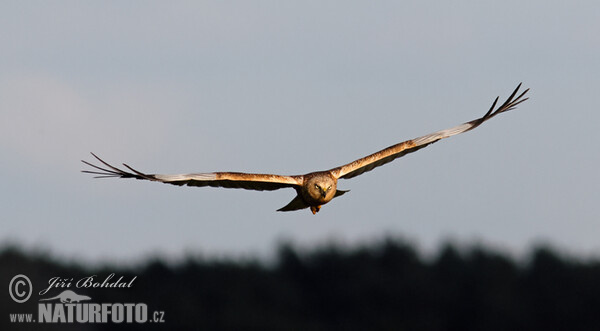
385	286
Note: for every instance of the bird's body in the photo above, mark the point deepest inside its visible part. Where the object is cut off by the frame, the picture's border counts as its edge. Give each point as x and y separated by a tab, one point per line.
313	189
318	189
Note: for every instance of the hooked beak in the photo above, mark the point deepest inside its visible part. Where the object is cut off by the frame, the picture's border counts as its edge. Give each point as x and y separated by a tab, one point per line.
324	192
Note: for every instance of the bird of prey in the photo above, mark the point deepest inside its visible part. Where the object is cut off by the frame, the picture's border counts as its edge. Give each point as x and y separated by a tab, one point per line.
313	189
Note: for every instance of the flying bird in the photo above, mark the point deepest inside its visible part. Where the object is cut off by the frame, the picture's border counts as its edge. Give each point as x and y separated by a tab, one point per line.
313	189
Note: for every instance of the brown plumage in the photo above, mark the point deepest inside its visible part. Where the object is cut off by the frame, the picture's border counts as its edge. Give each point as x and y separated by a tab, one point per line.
313	189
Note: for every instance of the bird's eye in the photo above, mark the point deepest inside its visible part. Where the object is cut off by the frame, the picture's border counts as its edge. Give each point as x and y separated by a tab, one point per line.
317	186
329	188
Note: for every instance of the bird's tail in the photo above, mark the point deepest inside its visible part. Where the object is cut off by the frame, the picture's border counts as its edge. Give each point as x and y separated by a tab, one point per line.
296	204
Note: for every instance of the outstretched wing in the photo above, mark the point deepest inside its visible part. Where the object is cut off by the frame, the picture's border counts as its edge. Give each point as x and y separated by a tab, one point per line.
391	153
258	182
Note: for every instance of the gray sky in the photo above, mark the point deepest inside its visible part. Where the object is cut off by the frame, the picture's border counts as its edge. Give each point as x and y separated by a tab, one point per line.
289	88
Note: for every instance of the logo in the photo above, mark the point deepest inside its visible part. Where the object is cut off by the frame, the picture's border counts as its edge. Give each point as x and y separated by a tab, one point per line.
71	307
68	296
22	289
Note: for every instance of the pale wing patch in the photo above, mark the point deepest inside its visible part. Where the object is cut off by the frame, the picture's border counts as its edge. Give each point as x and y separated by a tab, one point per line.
183	177
442	134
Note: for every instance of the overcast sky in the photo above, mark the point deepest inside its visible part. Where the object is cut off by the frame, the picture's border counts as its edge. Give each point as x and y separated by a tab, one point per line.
289	88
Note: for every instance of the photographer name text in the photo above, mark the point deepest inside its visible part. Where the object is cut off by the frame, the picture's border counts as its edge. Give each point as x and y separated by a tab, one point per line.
89	282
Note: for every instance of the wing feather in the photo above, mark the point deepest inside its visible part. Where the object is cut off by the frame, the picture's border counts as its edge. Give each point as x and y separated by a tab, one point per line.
258	182
391	153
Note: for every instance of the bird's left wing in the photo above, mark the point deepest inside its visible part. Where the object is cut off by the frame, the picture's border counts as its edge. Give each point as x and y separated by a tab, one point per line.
391	153
258	182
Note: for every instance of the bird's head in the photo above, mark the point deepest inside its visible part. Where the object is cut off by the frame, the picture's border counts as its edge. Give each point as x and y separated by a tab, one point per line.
321	188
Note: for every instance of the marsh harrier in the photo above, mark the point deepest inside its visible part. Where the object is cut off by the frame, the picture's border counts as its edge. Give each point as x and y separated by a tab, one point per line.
313	189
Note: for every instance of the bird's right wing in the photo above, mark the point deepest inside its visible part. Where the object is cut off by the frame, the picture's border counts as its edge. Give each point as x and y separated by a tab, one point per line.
258	182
